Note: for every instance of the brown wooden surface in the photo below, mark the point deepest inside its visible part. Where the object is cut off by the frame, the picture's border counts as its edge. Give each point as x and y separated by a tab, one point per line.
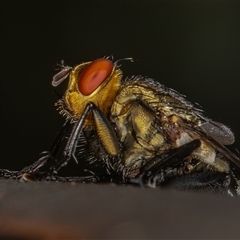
88	211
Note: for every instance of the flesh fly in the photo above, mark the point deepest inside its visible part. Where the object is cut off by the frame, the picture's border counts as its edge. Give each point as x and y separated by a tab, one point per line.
134	131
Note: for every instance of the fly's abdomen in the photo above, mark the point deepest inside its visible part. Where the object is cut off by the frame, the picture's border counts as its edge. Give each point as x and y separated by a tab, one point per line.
151	122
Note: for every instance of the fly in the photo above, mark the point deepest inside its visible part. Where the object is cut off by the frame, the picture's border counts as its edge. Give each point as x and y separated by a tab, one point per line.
134	131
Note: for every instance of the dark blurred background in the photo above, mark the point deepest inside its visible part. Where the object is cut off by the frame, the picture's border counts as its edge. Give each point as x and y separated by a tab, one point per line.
191	47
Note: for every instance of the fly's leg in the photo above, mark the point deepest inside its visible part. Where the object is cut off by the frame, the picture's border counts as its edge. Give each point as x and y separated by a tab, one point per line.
217	182
173	157
28	171
83	179
51	154
5	174
104	130
212	181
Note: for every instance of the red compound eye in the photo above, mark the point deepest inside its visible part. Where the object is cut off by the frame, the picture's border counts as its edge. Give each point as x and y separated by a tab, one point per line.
93	75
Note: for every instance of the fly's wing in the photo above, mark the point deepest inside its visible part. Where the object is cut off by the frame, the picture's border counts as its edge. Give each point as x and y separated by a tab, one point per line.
218	135
218	132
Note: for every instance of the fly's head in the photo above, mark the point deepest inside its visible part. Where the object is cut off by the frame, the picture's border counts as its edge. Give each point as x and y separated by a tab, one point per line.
97	81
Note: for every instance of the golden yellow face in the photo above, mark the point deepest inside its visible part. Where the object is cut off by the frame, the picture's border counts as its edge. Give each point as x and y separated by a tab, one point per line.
97	82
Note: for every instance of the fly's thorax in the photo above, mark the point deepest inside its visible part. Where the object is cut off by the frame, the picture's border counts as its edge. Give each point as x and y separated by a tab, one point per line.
156	98
97	82
141	138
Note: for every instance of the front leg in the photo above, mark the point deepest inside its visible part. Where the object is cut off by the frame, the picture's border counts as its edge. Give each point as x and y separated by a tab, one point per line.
104	130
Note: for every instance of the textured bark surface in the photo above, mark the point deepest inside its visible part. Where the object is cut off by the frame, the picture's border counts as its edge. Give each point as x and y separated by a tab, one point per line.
88	211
